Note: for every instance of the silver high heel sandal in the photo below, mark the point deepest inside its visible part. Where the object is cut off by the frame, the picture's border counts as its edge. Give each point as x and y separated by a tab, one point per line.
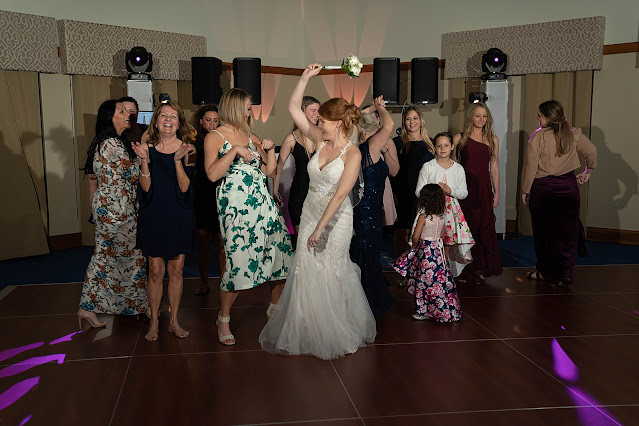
229	339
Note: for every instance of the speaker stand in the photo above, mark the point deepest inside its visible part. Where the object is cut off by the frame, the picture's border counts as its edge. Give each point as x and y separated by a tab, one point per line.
497	102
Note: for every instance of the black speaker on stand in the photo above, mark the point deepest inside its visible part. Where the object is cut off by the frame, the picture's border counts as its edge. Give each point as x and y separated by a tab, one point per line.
386	79
206	71
247	75
424	73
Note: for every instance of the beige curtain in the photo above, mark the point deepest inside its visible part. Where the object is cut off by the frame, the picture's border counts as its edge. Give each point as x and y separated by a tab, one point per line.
88	93
23	219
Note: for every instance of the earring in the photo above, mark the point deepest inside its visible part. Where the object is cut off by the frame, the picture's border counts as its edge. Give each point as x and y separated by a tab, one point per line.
336	129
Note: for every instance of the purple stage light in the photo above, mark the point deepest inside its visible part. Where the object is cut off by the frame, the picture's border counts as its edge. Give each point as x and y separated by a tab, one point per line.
138	59
496	59
563	328
25	420
66	338
586	414
17	391
9	353
564	367
28	364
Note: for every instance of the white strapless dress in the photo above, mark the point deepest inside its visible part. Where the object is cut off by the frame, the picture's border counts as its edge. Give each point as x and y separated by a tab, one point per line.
323	310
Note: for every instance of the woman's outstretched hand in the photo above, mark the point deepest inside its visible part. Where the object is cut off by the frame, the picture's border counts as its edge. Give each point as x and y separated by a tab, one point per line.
311	70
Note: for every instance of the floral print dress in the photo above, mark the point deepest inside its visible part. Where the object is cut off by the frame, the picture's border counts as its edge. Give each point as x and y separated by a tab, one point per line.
115	281
256	240
429	277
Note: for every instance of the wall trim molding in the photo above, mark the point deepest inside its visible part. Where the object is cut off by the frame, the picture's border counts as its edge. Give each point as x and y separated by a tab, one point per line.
608	235
615	49
66	241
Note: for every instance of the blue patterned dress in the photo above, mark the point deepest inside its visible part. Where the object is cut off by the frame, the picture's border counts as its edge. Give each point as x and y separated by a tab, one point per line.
368	222
256	241
115	281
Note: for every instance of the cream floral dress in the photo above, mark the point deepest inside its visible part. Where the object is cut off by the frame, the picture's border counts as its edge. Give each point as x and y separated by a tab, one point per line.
115	281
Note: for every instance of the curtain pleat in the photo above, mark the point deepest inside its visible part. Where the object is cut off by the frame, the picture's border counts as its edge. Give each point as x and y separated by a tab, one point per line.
22	189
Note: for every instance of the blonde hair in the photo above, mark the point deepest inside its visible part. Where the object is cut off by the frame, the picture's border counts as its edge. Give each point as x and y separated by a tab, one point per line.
487	130
554	113
369	123
233	109
337	109
185	132
406	143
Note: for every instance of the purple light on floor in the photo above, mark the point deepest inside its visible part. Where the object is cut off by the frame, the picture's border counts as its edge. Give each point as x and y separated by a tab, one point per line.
563	328
564	367
25	420
9	353
635	311
28	364
586	414
17	391
66	338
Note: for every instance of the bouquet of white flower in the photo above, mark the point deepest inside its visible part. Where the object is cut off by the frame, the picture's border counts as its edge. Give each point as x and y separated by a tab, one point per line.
351	65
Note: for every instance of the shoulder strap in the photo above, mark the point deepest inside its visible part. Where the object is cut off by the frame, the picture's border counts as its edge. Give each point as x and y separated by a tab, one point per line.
224	137
345	148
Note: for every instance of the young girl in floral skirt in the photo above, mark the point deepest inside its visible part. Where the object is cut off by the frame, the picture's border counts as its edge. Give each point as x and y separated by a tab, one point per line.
425	264
450	176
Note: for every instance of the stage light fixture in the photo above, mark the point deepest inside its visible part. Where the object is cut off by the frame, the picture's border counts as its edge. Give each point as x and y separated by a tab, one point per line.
494	63
475	97
139	62
164	98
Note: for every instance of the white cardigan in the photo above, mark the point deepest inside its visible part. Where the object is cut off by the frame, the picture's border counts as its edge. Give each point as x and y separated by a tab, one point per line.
432	172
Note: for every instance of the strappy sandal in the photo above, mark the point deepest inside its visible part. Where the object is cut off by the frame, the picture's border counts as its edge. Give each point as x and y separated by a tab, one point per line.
269	311
229	337
565	283
420	317
537	276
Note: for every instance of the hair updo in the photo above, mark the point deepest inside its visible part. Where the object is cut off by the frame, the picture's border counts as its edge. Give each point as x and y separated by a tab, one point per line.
337	109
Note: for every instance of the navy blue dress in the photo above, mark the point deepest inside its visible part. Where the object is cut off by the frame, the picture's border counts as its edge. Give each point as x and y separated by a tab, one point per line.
166	221
405	182
368	222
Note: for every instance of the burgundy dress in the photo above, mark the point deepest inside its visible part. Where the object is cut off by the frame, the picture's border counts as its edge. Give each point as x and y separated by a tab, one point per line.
478	208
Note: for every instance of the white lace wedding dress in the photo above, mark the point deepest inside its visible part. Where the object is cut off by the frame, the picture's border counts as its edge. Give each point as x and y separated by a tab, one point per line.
323	310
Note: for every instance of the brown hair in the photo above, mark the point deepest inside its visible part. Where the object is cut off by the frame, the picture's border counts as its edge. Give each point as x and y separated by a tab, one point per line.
406	144
185	132
233	109
306	102
199	115
554	113
487	130
337	109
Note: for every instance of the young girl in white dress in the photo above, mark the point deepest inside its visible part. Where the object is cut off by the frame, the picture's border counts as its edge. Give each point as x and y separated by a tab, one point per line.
450	176
323	310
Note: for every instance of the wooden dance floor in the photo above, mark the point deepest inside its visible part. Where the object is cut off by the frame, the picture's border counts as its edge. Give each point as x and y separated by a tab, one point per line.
526	353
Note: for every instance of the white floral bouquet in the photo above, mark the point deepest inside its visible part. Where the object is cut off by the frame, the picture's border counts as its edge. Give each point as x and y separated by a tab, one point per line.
351	65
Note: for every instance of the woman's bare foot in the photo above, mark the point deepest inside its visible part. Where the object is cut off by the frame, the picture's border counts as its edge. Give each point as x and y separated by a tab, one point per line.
178	331
152	335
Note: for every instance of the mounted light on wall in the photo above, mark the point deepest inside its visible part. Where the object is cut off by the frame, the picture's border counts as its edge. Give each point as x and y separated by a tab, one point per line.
164	98
475	97
494	63
139	63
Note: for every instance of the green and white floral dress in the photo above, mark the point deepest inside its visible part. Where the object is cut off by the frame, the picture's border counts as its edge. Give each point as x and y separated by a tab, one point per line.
256	241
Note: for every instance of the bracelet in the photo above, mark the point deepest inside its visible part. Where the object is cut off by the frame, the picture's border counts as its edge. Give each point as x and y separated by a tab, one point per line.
147	175
384	152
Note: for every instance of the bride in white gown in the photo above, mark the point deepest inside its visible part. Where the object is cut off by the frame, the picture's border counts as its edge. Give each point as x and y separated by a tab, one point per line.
323	310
